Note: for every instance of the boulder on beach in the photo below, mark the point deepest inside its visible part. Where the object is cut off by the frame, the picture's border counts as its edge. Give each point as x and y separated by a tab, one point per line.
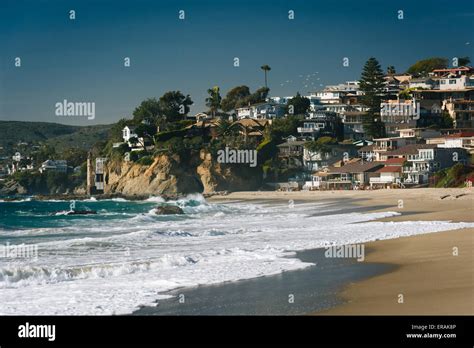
82	212
168	210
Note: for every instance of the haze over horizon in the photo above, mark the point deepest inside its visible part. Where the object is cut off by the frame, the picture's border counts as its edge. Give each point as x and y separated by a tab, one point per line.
81	60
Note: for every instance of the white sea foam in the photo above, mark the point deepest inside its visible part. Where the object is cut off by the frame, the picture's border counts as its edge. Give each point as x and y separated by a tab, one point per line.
16	201
118	265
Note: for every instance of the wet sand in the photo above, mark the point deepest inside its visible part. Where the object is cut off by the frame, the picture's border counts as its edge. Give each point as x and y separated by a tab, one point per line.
314	288
426	272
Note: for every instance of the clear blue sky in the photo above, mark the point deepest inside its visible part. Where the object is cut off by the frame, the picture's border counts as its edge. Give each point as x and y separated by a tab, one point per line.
82	60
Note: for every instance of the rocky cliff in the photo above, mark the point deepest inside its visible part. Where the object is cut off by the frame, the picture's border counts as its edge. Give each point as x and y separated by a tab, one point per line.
172	175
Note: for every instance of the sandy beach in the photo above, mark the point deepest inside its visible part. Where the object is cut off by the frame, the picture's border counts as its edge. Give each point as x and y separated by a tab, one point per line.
431	278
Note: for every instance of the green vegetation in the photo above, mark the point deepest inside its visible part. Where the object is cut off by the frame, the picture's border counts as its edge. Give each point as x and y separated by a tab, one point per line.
169	108
391	70
454	176
372	83
423	67
165	136
49	182
55	135
463	61
298	105
235	98
146	160
321	144
213	102
284	127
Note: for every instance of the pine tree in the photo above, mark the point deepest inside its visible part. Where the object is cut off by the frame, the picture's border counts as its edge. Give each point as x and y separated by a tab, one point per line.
372	83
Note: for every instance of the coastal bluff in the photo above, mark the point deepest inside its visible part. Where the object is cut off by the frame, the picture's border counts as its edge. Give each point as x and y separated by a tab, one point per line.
173	175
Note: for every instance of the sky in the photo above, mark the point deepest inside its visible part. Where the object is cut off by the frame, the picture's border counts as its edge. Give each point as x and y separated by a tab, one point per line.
82	60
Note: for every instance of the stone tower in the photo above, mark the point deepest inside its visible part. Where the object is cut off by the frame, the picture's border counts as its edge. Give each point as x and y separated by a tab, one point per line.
89	174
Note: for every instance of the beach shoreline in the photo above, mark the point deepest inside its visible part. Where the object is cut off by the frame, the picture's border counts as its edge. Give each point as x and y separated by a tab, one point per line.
431	273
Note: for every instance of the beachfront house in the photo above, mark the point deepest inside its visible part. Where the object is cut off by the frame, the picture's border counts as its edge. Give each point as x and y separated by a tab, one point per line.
327	156
390	175
422	161
351	175
290	153
384	145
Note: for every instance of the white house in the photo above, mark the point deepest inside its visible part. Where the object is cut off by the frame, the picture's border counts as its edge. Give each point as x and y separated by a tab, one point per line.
455	83
267	110
421	133
17	157
388	176
129	133
463	140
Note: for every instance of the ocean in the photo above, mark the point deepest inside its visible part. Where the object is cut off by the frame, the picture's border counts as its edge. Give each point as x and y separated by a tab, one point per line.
126	257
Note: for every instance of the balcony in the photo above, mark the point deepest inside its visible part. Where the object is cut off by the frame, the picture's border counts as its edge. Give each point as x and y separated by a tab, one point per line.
383	180
307	130
411	170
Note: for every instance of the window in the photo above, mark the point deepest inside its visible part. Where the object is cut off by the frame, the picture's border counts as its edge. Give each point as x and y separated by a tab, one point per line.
452	82
443	82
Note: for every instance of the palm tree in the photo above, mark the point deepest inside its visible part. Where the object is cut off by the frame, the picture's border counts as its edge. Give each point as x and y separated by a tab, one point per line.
265	68
213	102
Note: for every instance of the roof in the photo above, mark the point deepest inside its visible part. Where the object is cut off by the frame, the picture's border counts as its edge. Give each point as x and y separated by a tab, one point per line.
393	138
461	135
411	149
250	122
356	167
421	79
461	68
403	78
201	124
390	169
259	104
395	161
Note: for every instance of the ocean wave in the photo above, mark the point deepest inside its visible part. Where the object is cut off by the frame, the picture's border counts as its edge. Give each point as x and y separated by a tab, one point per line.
89	272
30	275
